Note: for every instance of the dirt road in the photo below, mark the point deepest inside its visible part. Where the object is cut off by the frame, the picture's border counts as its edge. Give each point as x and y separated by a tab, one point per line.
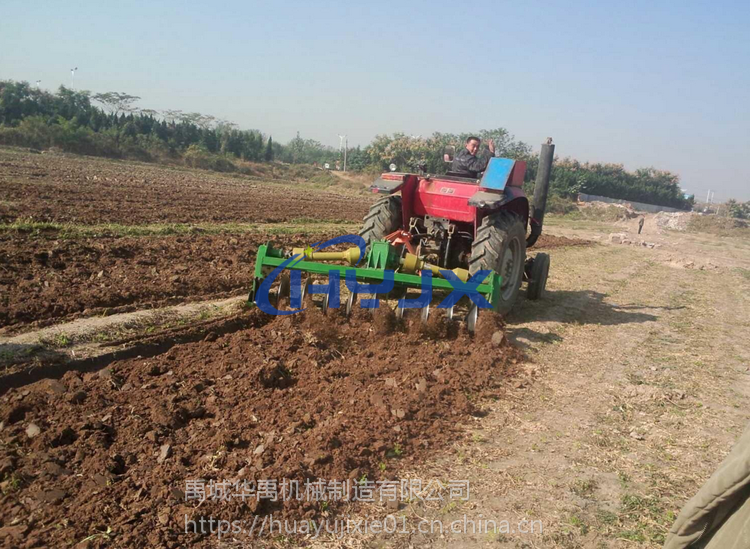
636	387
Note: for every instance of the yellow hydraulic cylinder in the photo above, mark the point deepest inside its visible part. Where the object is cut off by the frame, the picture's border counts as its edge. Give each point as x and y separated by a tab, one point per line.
351	256
411	264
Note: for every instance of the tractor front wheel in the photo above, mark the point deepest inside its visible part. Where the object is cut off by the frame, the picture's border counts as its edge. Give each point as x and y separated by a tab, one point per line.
383	218
500	246
538	277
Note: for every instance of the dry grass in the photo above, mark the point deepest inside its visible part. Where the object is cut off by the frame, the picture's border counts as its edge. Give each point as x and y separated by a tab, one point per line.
614	423
720	226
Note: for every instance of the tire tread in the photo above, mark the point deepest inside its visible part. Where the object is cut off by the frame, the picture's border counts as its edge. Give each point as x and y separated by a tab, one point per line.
383	218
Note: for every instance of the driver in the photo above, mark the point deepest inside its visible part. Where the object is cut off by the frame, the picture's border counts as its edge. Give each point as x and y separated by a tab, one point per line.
466	159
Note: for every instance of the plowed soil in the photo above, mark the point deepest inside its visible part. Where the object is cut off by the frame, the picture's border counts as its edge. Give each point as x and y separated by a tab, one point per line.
67	189
45	279
301	397
102	458
548	242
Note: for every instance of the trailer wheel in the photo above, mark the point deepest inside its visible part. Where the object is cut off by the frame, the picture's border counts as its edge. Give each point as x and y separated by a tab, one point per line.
500	245
538	277
383	218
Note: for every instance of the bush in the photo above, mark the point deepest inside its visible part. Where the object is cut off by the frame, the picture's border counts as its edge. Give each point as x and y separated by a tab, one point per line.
721	226
606	212
197	157
559	205
131	147
33	131
647	185
156	149
324	179
71	137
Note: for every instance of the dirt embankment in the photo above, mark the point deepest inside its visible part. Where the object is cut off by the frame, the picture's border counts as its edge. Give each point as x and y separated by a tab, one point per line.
296	398
548	242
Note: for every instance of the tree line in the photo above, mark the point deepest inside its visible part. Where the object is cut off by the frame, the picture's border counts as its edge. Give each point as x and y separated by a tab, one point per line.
110	124
69	119
568	177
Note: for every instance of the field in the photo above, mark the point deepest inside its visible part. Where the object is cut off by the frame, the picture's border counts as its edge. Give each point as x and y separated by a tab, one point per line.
130	365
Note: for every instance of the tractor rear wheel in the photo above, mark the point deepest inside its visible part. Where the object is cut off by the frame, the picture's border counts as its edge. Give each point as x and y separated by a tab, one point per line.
500	245
383	218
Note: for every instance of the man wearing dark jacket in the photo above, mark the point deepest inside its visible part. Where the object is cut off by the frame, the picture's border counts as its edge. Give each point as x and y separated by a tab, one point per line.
467	161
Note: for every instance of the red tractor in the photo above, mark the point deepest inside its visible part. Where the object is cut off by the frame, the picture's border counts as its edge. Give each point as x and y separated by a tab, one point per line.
458	221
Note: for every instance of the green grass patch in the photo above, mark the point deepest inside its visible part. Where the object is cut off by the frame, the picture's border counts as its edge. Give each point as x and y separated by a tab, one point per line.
313	221
344	228
58	340
583	488
576	222
644	519
578	522
72	231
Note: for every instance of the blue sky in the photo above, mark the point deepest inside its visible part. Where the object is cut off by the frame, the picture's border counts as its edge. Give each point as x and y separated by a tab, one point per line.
663	84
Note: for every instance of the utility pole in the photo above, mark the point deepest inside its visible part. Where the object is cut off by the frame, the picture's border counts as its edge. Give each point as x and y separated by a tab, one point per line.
341	144
72	76
708	196
346	148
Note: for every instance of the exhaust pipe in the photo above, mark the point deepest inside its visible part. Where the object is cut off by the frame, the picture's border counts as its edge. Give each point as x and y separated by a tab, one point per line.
541	188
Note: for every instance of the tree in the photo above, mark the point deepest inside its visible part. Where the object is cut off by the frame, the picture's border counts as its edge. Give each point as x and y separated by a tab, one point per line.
296	147
406	151
73	104
248	146
116	102
740	211
305	151
232	143
210	141
257	146
171	116
201	120
269	150
14	100
356	159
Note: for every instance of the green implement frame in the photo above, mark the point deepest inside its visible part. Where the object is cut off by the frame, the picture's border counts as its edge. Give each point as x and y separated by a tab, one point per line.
381	256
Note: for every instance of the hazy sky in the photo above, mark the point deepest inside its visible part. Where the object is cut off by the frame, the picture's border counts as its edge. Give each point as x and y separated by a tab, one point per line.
663	84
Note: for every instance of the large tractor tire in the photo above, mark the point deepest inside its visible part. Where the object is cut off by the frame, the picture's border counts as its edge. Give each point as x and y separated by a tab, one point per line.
383	218
500	245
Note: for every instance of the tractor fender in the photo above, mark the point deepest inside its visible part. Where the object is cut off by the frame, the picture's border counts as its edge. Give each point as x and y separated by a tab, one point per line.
512	199
388	183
